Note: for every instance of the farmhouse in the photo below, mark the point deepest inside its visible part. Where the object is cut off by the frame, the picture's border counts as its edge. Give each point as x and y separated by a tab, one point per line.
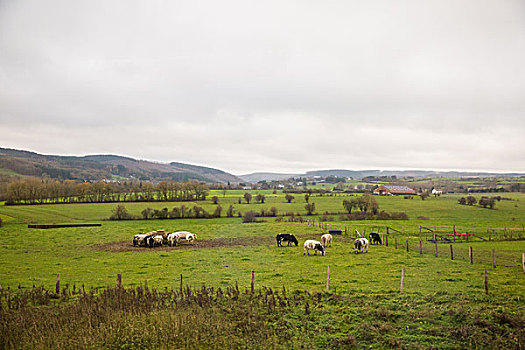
387	190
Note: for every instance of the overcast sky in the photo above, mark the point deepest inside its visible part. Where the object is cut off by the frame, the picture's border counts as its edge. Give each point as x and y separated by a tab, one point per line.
282	86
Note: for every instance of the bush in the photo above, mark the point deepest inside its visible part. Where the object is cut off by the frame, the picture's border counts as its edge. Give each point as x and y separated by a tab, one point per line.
369	216
462	201
120	213
310	208
249	216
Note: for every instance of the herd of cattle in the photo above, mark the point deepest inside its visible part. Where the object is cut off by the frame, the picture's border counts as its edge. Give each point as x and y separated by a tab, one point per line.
160	237
360	244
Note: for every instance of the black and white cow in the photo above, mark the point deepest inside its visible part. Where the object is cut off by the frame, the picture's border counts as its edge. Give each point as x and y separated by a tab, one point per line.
360	244
315	245
375	238
286	237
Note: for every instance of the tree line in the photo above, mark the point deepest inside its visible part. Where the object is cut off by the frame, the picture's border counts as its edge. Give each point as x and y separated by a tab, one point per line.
39	191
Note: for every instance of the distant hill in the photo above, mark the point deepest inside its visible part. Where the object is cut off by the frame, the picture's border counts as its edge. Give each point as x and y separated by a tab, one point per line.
256	177
359	174
100	167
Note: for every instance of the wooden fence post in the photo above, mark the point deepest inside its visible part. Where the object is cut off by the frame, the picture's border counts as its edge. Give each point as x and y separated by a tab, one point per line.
181	284
253	281
486	283
420	247
436	249
119	280
57	286
402	280
395	243
470	255
493	258
328	279
451	253
523	261
386	240
407	245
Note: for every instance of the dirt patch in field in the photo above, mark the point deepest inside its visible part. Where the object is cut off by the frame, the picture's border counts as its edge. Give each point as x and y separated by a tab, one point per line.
127	246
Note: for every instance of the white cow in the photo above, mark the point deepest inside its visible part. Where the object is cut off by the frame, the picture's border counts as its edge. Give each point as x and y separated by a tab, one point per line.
190	237
183	234
359	244
158	239
138	240
315	245
173	239
326	239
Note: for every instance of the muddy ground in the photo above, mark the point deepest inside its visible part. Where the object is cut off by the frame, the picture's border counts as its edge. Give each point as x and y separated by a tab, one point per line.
127	246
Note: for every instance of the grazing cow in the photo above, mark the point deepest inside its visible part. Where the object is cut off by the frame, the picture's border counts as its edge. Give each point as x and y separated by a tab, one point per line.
315	245
286	237
190	237
173	239
138	240
375	238
326	239
183	234
158	240
149	241
359	244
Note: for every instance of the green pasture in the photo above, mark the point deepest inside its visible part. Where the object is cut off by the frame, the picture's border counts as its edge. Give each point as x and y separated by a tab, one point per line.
443	304
81	255
434	210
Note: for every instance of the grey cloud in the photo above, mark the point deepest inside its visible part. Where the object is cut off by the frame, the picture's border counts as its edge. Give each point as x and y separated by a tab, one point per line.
284	86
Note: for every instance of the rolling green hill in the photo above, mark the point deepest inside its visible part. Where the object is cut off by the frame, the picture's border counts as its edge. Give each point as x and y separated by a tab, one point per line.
100	167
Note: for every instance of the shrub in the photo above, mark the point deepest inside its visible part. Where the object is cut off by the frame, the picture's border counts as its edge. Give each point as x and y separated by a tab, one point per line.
289	198
471	200
120	213
160	214
249	216
229	212
146	213
217	212
310	207
260	198
462	201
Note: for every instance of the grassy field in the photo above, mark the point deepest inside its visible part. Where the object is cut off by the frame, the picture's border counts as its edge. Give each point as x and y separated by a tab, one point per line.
227	251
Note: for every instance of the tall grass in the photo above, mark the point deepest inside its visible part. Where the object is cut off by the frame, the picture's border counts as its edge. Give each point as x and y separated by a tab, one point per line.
207	317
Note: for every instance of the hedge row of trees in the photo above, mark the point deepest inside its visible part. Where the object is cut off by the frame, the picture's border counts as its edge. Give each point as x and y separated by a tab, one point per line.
182	212
483	201
195	212
366	203
38	191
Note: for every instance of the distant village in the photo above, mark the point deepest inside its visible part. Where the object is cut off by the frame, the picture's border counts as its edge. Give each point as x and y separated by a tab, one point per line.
385	185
